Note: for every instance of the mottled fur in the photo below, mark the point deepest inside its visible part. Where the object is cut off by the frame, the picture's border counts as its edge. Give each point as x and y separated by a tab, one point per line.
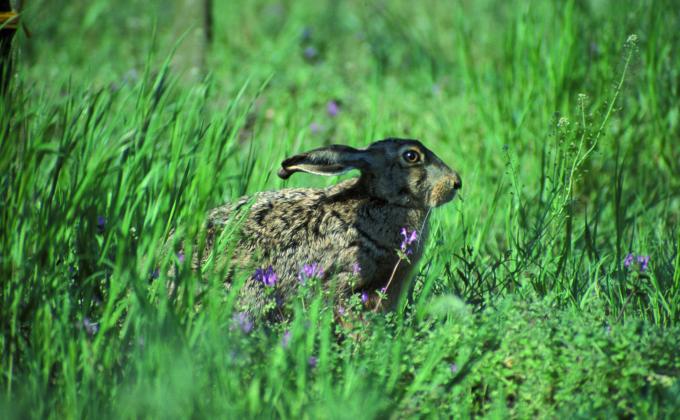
355	221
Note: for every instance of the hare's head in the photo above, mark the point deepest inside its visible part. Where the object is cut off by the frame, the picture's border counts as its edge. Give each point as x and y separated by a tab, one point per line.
399	171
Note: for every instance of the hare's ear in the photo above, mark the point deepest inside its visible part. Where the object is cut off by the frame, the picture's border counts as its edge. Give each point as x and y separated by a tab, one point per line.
331	160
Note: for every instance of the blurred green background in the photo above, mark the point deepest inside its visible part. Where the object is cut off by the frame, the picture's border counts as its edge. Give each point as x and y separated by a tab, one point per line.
126	120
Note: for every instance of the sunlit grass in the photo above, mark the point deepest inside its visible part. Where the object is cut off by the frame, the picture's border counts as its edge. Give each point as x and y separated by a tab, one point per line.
563	127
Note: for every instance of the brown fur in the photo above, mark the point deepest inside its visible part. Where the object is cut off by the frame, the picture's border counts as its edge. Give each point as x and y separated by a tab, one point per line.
356	221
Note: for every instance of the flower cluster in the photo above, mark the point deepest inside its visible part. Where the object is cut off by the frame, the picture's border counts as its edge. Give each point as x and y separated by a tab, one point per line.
641	261
266	275
409	238
309	271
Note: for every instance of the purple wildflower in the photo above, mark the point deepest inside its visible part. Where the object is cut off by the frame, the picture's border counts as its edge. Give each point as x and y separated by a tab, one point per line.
364	297
409	238
453	367
629	260
315	127
180	257
313	270
312	361
243	322
101	223
267	276
383	290
91	327
285	340
356	269
341	310
333	108
643	262
310	52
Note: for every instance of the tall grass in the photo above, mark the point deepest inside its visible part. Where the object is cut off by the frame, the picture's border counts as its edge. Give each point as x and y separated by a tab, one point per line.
561	118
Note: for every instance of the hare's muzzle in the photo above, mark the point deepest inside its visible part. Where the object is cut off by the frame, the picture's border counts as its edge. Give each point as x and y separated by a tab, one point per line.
444	190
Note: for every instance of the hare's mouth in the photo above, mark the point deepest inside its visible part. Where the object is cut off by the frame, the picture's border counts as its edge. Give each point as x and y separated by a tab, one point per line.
441	195
444	190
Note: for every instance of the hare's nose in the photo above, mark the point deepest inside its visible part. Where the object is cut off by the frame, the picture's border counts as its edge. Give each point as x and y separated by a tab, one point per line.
457	183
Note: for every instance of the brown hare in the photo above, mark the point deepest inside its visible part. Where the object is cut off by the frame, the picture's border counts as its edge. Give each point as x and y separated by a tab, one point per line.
348	233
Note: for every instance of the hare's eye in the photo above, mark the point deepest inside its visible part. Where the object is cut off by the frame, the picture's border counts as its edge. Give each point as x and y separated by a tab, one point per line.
411	156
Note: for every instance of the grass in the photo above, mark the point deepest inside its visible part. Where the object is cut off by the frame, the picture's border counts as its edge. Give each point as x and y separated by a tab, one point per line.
562	120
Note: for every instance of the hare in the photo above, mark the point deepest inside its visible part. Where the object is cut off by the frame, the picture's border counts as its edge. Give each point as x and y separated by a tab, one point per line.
348	233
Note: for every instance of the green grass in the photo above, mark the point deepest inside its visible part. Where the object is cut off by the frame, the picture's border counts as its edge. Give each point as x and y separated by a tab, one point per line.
562	119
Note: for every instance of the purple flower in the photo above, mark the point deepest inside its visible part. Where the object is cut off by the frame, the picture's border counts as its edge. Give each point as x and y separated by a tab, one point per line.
643	262
313	270
180	257
242	321
315	127
629	260
409	238
310	52
341	310
101	223
333	108
91	327
267	276
306	34
312	361
356	269
285	340
364	297
453	368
